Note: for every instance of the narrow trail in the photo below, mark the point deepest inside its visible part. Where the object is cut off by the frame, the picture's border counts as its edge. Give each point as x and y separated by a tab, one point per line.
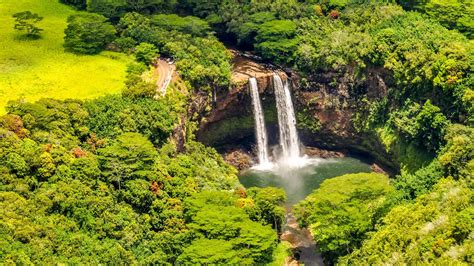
302	243
164	71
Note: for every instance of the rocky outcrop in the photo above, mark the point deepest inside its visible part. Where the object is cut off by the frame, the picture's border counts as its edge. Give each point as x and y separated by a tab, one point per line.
240	158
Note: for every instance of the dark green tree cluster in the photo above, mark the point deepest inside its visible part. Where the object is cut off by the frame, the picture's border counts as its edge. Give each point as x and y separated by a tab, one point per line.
424	125
453	14
88	33
341	211
102	182
434	229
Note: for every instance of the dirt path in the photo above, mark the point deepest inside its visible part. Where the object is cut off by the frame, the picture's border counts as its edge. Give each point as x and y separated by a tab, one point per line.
164	71
302	243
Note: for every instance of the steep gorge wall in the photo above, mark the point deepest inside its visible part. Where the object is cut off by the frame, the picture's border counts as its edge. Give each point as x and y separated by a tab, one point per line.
326	104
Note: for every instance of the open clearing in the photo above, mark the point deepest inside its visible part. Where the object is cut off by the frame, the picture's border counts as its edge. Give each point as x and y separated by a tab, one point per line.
34	69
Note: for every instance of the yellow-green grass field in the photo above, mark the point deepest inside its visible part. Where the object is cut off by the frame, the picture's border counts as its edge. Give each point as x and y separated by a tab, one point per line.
34	69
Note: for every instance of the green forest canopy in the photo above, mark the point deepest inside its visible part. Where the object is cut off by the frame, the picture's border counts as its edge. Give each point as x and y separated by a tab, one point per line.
106	181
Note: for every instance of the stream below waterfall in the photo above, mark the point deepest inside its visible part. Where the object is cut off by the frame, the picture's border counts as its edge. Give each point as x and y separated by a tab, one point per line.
299	183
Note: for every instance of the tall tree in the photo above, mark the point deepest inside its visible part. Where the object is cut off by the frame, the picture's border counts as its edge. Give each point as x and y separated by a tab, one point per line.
88	33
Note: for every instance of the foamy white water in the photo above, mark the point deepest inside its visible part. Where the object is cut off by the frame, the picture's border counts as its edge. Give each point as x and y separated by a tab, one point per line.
289	142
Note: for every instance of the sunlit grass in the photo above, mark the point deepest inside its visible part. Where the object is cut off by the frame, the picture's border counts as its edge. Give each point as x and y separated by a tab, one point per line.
34	69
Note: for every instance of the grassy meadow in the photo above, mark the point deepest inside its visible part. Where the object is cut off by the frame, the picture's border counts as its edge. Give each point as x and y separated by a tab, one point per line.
34	69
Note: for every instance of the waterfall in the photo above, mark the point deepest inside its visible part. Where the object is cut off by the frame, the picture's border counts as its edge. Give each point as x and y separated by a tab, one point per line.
260	130
286	120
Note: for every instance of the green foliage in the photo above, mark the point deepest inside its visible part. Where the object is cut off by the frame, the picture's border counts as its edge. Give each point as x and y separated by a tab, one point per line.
88	33
247	32
140	29
131	155
308	122
201	8
146	53
205	165
51	121
421	181
137	84
111	116
188	25
267	206
275	40
433	230
424	125
214	218
69	196
340	212
210	251
275	30
25	21
110	9
457	156
115	9
453	14
205	72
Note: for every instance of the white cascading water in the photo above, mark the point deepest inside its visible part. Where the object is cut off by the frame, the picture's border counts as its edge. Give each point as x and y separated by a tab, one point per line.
260	130
286	122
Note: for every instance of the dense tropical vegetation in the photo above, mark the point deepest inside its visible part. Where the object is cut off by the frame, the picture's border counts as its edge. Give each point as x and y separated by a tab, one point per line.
121	178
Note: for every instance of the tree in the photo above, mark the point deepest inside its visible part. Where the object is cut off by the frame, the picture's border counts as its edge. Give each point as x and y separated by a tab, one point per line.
216	216
275	40
424	125
25	21
340	212
433	230
88	33
268	206
131	155
453	14
146	53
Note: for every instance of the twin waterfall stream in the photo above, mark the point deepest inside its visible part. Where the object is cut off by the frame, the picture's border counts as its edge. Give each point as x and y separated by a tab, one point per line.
260	130
289	143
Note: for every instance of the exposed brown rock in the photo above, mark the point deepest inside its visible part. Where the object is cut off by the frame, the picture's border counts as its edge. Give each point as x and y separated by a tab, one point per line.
239	158
321	153
377	169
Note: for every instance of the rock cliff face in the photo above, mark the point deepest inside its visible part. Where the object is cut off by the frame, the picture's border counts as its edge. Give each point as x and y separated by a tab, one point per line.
326	104
231	120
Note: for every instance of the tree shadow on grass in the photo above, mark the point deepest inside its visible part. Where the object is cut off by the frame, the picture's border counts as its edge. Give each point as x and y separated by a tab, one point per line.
27	37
